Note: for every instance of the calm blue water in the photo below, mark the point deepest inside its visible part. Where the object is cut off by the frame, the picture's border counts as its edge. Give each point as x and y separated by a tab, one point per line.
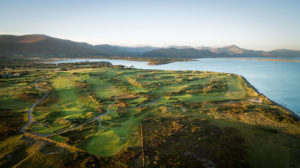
279	81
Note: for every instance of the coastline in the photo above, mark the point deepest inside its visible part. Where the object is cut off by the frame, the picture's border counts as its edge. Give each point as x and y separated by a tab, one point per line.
150	61
266	59
248	83
280	105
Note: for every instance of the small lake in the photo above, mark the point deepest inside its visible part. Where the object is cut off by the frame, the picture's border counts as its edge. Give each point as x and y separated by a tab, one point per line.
278	80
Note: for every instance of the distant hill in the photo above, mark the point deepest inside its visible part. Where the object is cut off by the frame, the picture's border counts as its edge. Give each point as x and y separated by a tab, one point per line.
45	46
230	50
235	51
124	51
179	53
285	53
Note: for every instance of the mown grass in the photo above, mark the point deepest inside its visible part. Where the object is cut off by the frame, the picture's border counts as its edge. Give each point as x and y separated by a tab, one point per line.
68	95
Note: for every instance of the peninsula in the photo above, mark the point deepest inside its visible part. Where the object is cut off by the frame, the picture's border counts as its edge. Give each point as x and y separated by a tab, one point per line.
115	116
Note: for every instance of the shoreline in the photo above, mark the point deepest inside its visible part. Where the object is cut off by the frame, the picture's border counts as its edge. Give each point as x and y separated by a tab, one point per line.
149	61
248	83
280	105
266	59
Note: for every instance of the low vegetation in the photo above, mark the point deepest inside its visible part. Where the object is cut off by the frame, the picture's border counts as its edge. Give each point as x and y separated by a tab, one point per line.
99	115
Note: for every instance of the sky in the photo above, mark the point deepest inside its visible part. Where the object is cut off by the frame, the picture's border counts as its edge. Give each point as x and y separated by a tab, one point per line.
251	24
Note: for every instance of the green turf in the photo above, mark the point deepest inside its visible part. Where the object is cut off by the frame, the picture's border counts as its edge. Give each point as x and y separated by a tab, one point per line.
164	104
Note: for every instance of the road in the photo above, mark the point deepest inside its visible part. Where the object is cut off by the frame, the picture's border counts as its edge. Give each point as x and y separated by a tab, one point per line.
29	112
31	120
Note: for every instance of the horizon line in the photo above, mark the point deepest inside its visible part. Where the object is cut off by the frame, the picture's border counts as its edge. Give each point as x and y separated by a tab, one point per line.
147	45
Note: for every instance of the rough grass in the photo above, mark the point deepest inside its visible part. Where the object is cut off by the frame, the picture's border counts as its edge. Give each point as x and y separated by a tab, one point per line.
265	146
183	114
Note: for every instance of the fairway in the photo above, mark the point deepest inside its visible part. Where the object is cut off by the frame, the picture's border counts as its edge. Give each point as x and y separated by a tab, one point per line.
105	144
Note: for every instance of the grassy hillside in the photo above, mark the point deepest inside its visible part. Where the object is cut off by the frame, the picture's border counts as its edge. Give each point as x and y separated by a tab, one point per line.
123	117
45	46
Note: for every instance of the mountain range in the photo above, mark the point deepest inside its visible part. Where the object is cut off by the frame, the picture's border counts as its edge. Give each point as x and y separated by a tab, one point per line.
49	47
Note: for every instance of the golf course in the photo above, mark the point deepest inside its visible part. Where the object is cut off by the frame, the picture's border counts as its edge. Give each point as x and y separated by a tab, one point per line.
94	115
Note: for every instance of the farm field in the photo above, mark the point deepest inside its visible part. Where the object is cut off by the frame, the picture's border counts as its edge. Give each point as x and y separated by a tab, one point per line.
125	117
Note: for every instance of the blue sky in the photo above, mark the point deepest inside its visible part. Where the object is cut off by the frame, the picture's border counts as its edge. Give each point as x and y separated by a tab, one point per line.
252	24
